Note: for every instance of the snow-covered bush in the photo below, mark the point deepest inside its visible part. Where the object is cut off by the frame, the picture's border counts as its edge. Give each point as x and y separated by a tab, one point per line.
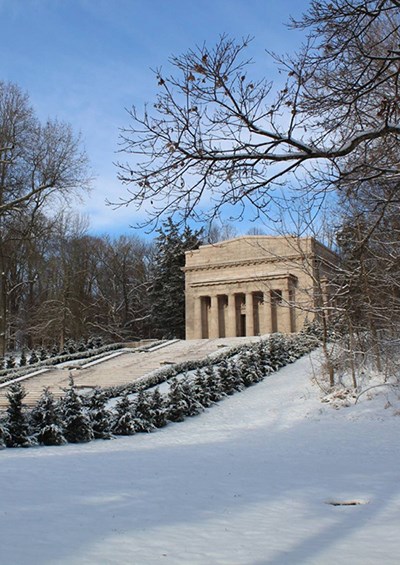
188	395
33	358
10	362
99	416
142	415
46	420
17	424
157	408
4	435
123	423
77	426
23	360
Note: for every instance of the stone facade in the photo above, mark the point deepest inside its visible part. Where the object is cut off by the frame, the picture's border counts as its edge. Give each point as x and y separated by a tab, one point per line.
255	285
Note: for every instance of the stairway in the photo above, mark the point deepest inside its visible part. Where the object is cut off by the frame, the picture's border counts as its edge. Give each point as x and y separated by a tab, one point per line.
127	366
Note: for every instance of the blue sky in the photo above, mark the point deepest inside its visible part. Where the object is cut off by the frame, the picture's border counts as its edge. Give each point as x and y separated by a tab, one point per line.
86	61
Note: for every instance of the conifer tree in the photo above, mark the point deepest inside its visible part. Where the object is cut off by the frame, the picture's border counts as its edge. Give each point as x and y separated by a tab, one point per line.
228	378
100	417
43	354
4	435
23	360
200	389
17	421
193	406
54	352
277	351
157	409
167	291
33	358
76	424
176	403
142	413
10	362
47	421
213	384
124	424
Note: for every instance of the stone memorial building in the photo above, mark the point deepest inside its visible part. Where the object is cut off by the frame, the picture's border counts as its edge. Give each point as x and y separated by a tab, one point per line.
255	285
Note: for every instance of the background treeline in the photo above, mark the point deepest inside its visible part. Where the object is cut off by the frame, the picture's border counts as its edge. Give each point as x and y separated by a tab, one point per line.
60	283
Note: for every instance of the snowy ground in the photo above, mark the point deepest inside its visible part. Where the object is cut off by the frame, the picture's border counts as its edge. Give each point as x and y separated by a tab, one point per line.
246	483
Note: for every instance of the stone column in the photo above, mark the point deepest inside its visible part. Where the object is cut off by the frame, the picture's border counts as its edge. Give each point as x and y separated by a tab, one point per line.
213	326
285	313
249	314
197	326
231	316
265	318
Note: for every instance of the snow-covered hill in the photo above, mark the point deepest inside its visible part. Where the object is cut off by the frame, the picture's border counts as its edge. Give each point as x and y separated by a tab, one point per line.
252	481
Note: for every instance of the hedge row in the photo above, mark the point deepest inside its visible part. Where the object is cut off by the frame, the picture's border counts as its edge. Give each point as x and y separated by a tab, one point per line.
81	418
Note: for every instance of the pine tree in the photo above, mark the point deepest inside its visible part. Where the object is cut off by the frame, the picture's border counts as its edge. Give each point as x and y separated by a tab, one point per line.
214	384
33	358
176	403
10	362
277	351
229	378
124	424
157	409
193	406
55	351
17	421
100	417
200	389
43	354
81	346
4	435
70	346
23	360
46	420
76	424
142	413
167	292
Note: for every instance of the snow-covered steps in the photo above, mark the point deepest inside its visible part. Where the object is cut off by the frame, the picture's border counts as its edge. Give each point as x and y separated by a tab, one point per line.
123	366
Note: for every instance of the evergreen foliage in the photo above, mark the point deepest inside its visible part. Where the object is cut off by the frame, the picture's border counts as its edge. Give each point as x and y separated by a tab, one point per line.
229	377
54	351
23	360
46	420
99	416
176	402
4	435
124	423
193	406
188	395
143	420
10	362
157	409
76	423
43	354
33	358
213	384
17	421
167	293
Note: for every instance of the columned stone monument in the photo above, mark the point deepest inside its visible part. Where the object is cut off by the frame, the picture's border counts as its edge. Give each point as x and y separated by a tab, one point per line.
255	285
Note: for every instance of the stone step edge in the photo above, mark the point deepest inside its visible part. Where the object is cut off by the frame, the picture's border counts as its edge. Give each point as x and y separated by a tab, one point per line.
24	377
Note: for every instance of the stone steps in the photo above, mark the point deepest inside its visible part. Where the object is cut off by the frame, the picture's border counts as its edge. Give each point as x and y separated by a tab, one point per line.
122	369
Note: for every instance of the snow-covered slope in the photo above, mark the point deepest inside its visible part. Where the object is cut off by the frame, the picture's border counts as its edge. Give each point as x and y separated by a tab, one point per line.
248	482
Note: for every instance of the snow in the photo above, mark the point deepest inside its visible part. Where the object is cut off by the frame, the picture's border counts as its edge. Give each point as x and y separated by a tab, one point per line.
251	481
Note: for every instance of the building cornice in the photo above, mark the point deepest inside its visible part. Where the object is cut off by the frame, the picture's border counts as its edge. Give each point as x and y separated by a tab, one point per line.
246	280
243	263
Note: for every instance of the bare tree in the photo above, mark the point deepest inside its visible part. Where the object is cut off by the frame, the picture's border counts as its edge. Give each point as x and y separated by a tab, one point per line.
37	162
217	135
